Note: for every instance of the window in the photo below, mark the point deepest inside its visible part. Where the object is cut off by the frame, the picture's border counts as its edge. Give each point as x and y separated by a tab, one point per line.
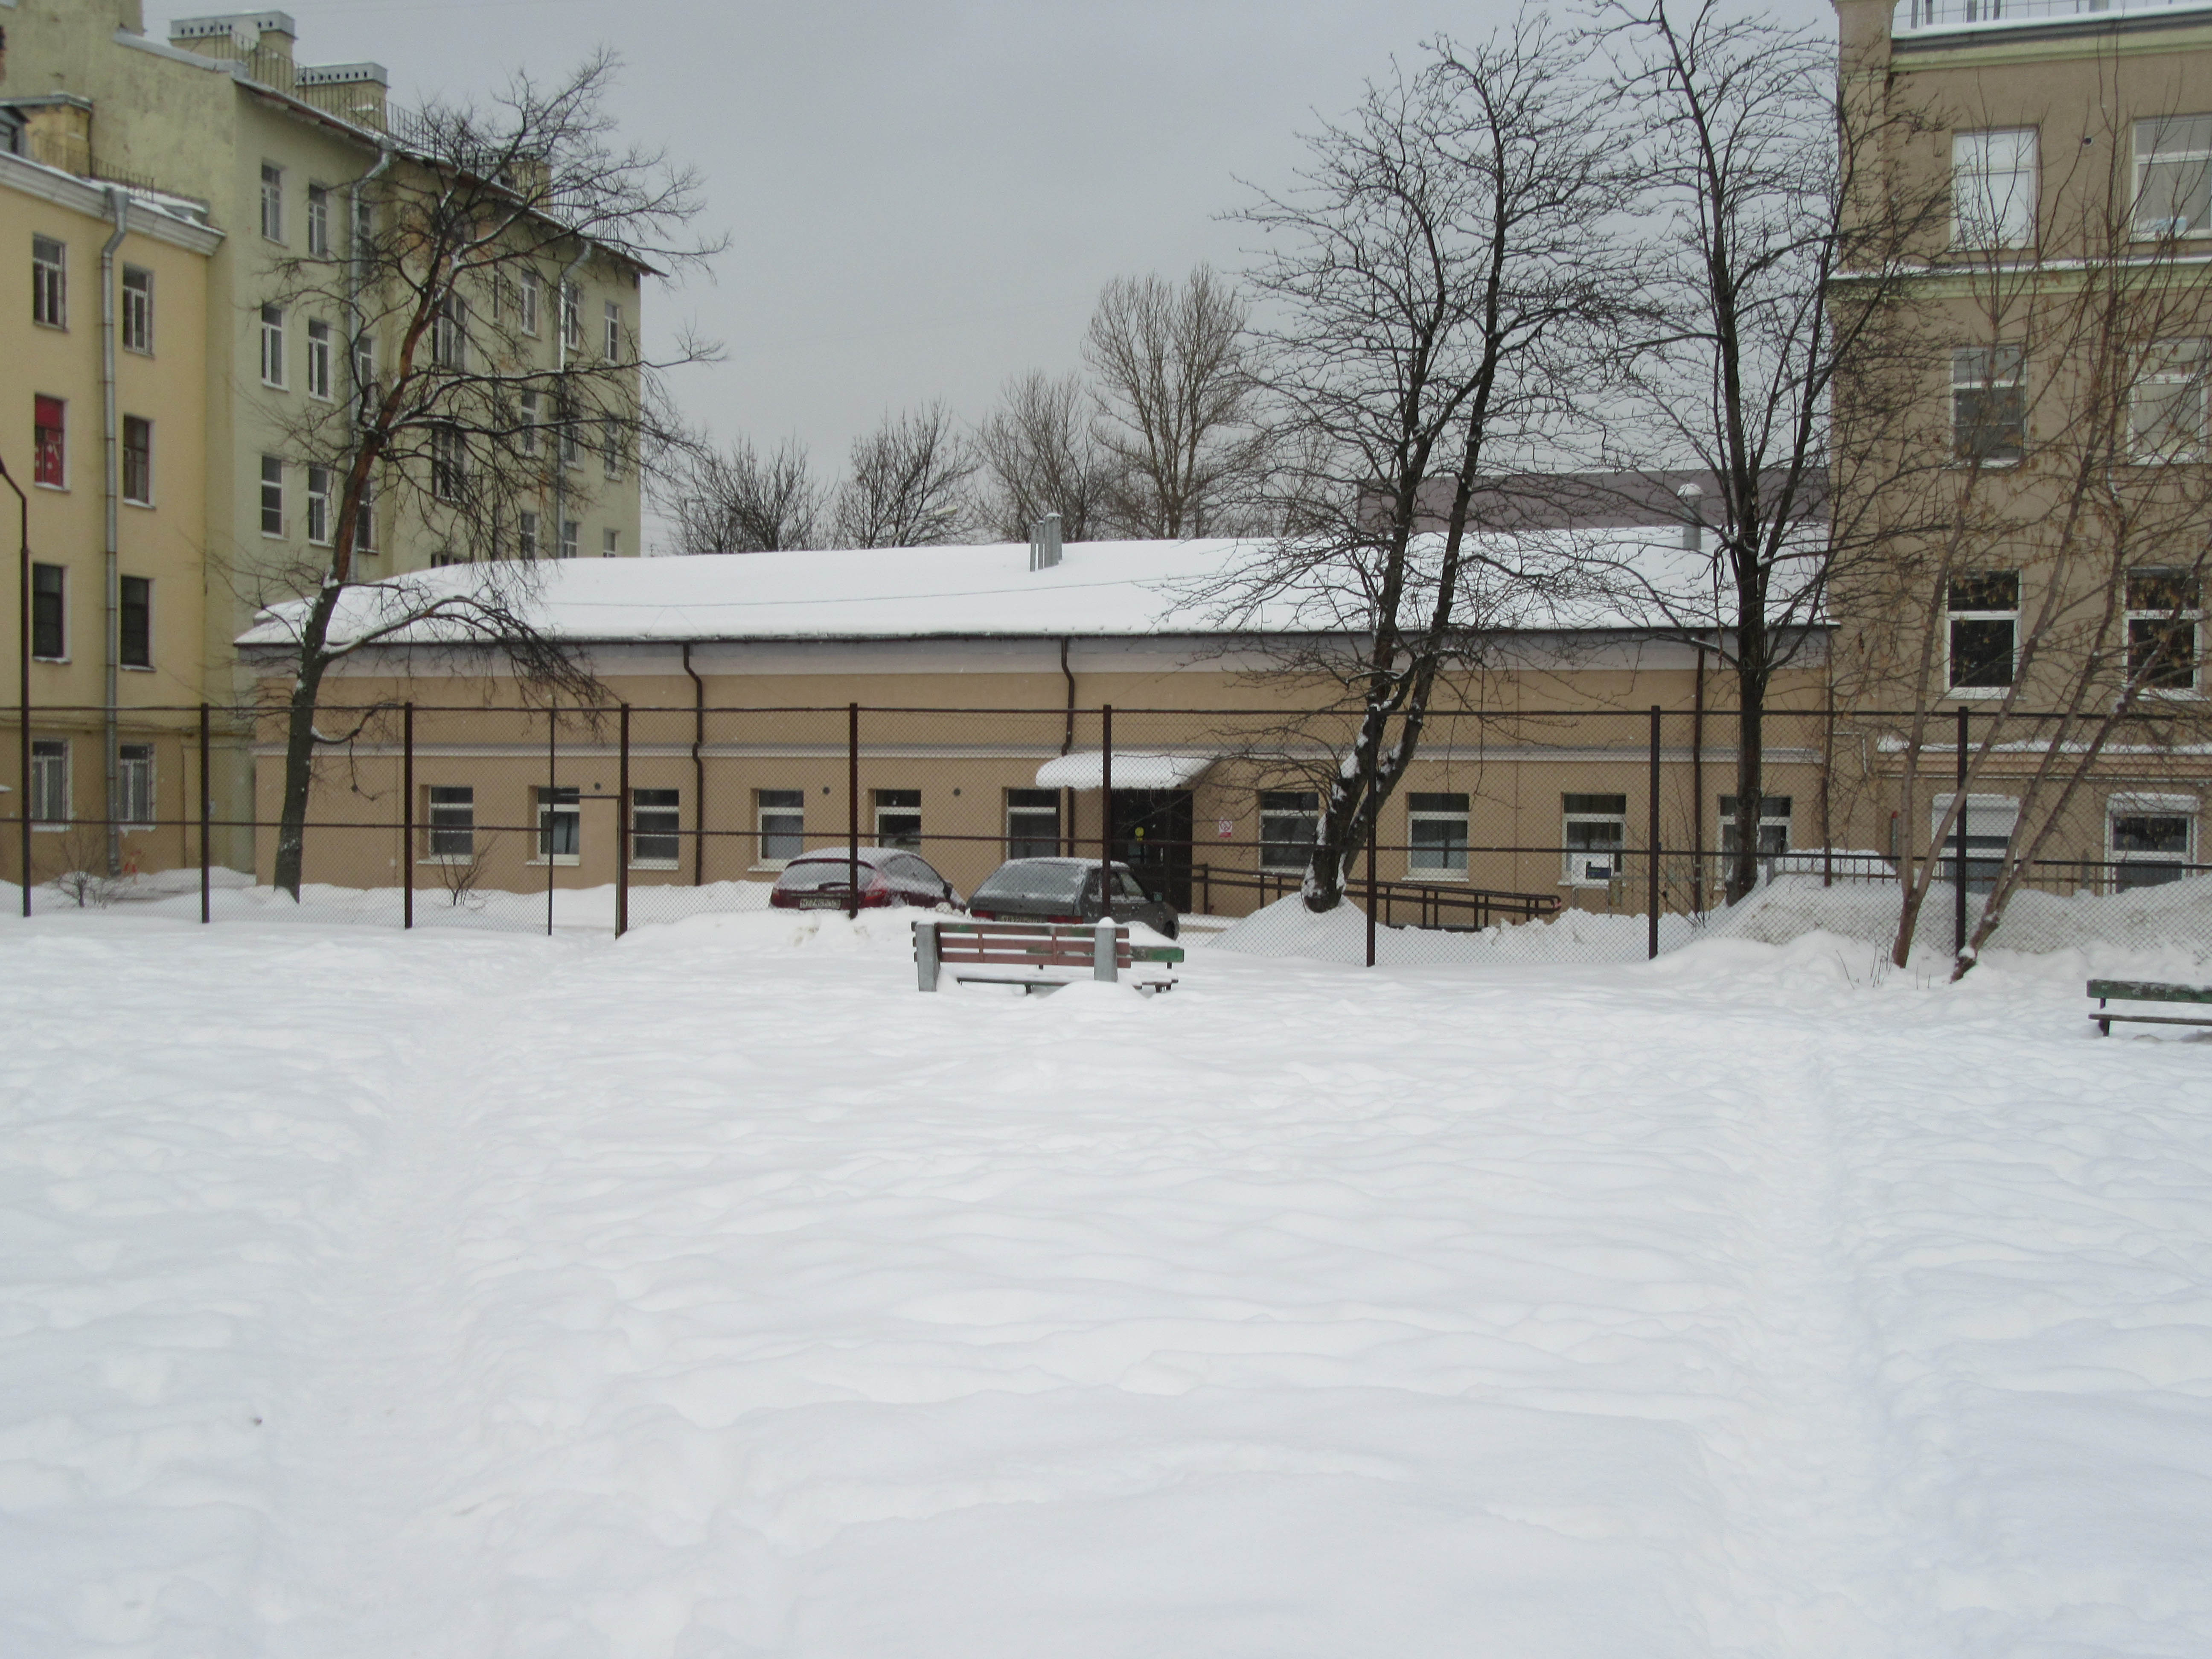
49	442
1773	824
2174	176
134	778
1993	189
532	414
572	317
318	221
135	622
1985	618
364	518
1436	827
364	223
570	530
364	377
783	814
898	818
559	826
2151	839
527	294
137	460
137	309
525	535
1033	823
610	449
2166	405
1596	834
49	782
272	346
448	462
2164	609
449	337
49	282
1988	404
319	360
568	442
1989	820
1288	819
610	544
451	816
272	202
613	333
49	632
272	495
319	505
656	829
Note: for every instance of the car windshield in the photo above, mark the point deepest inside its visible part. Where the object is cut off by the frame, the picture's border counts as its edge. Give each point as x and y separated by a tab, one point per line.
1042	881
811	874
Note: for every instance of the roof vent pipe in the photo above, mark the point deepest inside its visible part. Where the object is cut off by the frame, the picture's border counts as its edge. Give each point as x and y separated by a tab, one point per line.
1694	525
1044	543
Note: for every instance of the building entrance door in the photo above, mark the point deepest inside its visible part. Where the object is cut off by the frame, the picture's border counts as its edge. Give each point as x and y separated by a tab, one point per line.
1151	836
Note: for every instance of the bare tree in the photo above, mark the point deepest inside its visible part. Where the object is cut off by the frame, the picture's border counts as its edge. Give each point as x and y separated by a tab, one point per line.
739	501
1176	405
1438	279
909	487
473	396
1038	457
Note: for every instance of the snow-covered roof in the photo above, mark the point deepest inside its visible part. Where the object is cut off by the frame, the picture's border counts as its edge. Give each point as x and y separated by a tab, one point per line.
1099	589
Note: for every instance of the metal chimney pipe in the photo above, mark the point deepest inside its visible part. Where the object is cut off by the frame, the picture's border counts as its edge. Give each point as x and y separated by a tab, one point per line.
1044	543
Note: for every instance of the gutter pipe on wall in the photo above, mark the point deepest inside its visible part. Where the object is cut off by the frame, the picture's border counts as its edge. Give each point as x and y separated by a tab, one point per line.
23	676
119	208
561	391
698	771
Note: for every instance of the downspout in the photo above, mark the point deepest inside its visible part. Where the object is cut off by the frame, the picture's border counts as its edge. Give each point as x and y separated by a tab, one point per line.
355	258
118	207
1067	743
698	770
561	438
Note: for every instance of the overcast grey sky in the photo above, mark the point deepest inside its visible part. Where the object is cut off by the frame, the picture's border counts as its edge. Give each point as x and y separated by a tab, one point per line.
922	199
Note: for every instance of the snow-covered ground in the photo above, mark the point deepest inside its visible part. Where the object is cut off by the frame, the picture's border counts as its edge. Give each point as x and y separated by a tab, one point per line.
465	1295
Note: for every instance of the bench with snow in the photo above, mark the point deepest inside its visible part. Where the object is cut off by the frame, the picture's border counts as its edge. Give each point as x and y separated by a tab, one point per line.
1037	956
2137	990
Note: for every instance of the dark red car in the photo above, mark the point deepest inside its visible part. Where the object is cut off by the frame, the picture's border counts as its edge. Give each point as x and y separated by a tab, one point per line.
889	875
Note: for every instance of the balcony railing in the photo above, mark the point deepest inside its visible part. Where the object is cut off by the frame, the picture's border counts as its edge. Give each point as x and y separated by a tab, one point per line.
1920	16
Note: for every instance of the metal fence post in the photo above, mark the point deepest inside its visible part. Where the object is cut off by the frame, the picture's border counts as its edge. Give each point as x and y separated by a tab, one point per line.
853	811
206	819
407	817
1827	772
1106	808
1651	942
1374	819
622	830
1958	898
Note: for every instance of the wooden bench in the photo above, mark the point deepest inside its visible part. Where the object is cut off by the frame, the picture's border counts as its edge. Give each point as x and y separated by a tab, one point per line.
2136	990
1037	956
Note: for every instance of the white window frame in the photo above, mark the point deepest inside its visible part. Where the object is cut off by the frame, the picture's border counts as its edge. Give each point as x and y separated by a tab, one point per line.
1018	836
138	322
673	832
525	534
364	518
2187	808
1283	813
883	813
318	221
320	521
569	802
1954	613
272	347
51	778
449	333
772	816
1984	845
449	470
318	359
528	292
448	818
1578	864
272	495
363	358
531	418
1987	373
50	282
2193	151
571	531
610	543
1994	188
614	324
134	778
2169	380
145	497
1775	812
2191	617
272	203
1416	814
572	316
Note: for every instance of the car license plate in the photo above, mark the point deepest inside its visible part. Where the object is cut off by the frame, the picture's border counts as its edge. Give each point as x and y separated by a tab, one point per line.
820	904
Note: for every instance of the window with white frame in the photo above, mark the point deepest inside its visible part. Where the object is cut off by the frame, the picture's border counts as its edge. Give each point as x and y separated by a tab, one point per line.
364	377
451	818
137	460
364	517
1993	188
1436	835
449	333
525	535
898	818
272	346
272	202
532	413
319	505
2174	176
272	495
782	816
134	780
527	294
559	824
1289	819
2165	404
2150	840
613	338
1990	822
610	544
2166	608
318	221
134	621
137	309
571	534
319	360
572	317
1033	823
448	462
1988	404
49	282
611	448
656	819
1984	617
1594	834
1773	824
49	616
50	782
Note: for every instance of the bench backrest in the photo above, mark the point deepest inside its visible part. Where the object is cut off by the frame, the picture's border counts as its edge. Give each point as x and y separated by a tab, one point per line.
1026	944
2139	990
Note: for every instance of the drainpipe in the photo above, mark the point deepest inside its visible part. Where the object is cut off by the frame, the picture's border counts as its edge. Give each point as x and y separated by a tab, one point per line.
698	770
119	208
1067	743
355	258
561	391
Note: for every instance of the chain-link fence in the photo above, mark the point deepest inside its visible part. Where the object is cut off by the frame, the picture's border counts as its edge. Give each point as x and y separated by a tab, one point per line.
1518	834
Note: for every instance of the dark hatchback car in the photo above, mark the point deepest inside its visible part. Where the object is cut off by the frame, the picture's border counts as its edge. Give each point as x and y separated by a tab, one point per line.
889	875
1066	890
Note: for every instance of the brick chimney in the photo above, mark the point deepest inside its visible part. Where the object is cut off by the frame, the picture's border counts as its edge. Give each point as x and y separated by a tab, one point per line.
259	42
352	92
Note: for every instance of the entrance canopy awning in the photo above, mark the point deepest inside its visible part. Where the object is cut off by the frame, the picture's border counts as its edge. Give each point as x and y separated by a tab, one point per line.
1133	769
